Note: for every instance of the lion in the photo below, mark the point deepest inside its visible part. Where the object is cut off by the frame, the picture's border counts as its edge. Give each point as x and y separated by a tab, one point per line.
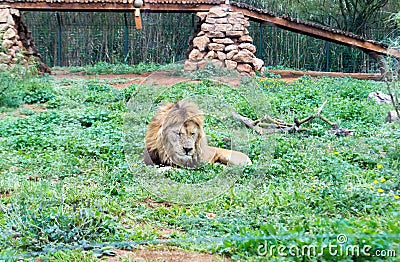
175	137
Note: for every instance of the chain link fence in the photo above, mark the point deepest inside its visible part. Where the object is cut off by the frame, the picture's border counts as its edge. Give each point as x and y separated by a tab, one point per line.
82	38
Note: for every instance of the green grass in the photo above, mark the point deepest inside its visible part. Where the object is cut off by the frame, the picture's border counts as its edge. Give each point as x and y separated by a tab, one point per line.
65	181
103	68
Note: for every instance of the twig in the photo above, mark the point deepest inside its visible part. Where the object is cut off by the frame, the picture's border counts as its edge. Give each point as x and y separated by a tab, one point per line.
268	125
327	121
248	122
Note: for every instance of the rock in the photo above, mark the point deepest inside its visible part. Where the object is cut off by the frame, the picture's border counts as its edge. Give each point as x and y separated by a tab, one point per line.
217	12
202	64
221	20
211	55
4	58
201	42
15	12
211	20
230	64
221	55
202	15
3	15
245	39
248	46
258	64
196	55
244	22
215	34
238	27
217	63
234	33
190	66
392	116
223	27
10	20
3	67
231	54
233	20
9	34
216	47
31	51
20	44
236	15
201	33
380	97
207	27
4	27
244	68
7	44
225	41
231	47
244	56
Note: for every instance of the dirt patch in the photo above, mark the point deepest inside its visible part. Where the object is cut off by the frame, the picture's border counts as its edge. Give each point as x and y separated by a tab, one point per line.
61	74
168	78
21	113
161	254
36	108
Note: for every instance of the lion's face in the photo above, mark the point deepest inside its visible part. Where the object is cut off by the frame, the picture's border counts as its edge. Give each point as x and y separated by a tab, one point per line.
182	143
175	136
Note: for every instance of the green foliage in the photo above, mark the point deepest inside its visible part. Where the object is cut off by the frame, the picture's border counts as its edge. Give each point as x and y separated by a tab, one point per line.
102	68
65	183
9	94
37	91
16	89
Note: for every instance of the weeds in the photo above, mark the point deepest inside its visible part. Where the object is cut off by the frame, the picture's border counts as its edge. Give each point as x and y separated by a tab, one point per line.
102	68
64	180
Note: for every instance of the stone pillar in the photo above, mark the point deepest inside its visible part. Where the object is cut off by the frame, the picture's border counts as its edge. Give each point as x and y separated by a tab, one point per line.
223	40
17	45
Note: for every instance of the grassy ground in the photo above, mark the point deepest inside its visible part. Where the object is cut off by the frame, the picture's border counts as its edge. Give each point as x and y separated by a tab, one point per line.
70	174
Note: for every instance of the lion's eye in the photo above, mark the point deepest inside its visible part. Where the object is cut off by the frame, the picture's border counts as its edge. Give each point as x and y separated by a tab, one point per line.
193	133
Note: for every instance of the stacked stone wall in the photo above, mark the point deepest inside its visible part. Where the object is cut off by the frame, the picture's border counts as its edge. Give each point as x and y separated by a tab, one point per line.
17	45
223	40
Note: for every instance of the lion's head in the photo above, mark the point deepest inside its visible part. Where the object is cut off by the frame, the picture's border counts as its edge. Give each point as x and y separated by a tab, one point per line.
175	136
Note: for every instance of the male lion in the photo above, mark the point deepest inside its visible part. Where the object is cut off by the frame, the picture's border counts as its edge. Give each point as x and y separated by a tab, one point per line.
175	137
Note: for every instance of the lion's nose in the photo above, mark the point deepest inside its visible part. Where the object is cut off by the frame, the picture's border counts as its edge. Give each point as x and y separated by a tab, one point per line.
187	149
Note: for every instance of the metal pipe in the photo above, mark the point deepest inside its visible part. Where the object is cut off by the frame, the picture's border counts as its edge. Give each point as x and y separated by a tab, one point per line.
260	41
126	42
58	39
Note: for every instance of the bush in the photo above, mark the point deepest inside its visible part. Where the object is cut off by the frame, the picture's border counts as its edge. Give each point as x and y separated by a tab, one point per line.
15	90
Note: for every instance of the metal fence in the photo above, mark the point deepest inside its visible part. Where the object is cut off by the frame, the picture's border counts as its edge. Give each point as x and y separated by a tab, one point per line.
82	38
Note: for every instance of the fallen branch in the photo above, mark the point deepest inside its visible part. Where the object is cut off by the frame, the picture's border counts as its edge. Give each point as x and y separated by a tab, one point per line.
268	125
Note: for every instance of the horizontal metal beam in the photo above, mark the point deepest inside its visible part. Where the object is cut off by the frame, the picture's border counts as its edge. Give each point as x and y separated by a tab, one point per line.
317	33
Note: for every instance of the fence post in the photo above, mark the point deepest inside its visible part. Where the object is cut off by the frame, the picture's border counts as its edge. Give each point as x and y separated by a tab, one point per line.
126	42
260	41
58	39
193	22
327	54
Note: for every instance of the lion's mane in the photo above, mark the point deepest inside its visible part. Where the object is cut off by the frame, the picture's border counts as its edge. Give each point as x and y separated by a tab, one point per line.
159	149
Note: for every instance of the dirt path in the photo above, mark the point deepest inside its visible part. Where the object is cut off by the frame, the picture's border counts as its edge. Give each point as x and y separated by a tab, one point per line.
167	78
161	254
